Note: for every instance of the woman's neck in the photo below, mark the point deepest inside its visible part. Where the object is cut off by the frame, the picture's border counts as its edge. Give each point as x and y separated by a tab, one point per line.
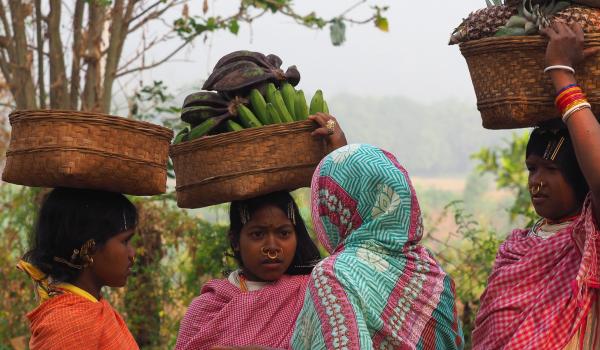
86	282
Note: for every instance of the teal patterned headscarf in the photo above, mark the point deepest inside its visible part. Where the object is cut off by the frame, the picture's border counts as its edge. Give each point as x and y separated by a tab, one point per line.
379	289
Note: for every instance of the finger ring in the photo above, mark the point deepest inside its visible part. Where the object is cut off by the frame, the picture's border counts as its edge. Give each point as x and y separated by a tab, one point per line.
330	125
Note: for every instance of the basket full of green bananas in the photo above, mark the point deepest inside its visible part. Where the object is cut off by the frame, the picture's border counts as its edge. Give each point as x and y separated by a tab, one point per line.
248	133
505	55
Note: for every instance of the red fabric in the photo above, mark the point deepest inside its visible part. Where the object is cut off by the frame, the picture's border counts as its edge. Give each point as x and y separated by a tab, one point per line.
70	321
224	315
540	291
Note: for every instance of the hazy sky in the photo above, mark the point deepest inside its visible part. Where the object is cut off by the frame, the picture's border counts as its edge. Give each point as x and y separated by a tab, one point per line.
412	59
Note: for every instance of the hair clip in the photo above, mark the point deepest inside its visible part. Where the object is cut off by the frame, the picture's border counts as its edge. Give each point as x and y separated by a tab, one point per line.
244	215
82	254
291	214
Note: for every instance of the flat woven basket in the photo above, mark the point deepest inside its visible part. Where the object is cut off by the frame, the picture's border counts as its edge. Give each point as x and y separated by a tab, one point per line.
511	88
244	164
56	148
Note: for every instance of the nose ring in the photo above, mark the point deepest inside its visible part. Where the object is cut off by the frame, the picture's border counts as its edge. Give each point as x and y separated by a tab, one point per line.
272	254
536	189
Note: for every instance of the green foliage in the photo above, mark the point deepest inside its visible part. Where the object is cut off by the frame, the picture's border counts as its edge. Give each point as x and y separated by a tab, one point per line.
188	27
337	31
507	164
17	206
467	255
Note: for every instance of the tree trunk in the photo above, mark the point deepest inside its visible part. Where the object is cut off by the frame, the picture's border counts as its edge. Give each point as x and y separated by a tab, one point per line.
59	94
91	91
24	92
77	52
40	53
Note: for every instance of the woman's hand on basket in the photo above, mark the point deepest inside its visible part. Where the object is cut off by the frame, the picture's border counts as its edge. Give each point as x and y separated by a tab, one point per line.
566	44
330	130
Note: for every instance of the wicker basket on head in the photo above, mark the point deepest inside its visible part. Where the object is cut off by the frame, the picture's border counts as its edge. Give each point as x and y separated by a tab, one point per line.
511	87
245	164
56	148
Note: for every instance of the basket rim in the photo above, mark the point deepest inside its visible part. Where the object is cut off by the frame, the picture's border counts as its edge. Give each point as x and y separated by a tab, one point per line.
246	135
24	115
105	154
231	176
509	42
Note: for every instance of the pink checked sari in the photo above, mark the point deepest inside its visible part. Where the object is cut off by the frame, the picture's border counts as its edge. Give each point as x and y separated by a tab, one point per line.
541	291
224	315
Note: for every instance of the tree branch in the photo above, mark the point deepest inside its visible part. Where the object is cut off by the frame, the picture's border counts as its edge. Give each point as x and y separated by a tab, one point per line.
153	15
8	32
40	53
77	52
163	60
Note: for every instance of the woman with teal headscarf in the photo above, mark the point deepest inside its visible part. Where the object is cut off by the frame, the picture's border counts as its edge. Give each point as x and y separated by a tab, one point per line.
379	289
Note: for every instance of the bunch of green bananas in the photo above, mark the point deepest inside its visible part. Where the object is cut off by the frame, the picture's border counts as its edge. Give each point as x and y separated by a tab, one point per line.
283	105
247	97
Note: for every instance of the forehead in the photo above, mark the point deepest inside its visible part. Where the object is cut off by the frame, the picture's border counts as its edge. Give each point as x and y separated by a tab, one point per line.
536	159
268	214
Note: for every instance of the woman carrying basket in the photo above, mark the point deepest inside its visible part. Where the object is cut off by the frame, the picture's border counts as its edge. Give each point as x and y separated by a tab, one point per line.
543	290
259	302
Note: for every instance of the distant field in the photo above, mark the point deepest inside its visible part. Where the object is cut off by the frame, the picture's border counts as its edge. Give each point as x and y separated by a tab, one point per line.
449	184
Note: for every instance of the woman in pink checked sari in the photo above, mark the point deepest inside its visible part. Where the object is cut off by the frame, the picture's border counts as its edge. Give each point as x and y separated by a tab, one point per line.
259	303
543	291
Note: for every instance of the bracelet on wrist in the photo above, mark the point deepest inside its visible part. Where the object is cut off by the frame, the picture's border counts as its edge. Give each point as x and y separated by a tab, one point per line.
559	67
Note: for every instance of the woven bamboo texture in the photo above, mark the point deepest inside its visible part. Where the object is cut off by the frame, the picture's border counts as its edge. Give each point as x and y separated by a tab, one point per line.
511	87
56	148
244	164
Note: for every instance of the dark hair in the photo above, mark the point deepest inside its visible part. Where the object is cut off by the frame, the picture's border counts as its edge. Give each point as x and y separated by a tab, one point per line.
70	217
307	253
543	142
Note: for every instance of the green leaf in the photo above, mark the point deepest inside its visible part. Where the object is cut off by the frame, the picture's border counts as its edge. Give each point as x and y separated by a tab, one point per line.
234	27
337	32
382	24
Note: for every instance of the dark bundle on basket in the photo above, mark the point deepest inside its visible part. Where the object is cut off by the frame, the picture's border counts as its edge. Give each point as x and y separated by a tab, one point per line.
505	56
56	148
249	136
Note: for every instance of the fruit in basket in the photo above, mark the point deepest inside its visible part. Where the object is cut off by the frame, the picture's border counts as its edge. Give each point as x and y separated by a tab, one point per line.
316	103
248	118
277	101
289	98
482	23
292	75
206	127
240	71
195	115
181	135
300	107
273	114
233	126
205	98
274	60
251	91
259	106
246	56
524	18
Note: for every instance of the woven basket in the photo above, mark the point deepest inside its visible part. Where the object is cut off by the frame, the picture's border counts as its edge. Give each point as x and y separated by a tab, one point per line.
511	88
244	164
54	148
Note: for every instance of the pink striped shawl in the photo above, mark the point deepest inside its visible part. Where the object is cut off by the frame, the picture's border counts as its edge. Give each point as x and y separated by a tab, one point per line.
540	291
224	315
